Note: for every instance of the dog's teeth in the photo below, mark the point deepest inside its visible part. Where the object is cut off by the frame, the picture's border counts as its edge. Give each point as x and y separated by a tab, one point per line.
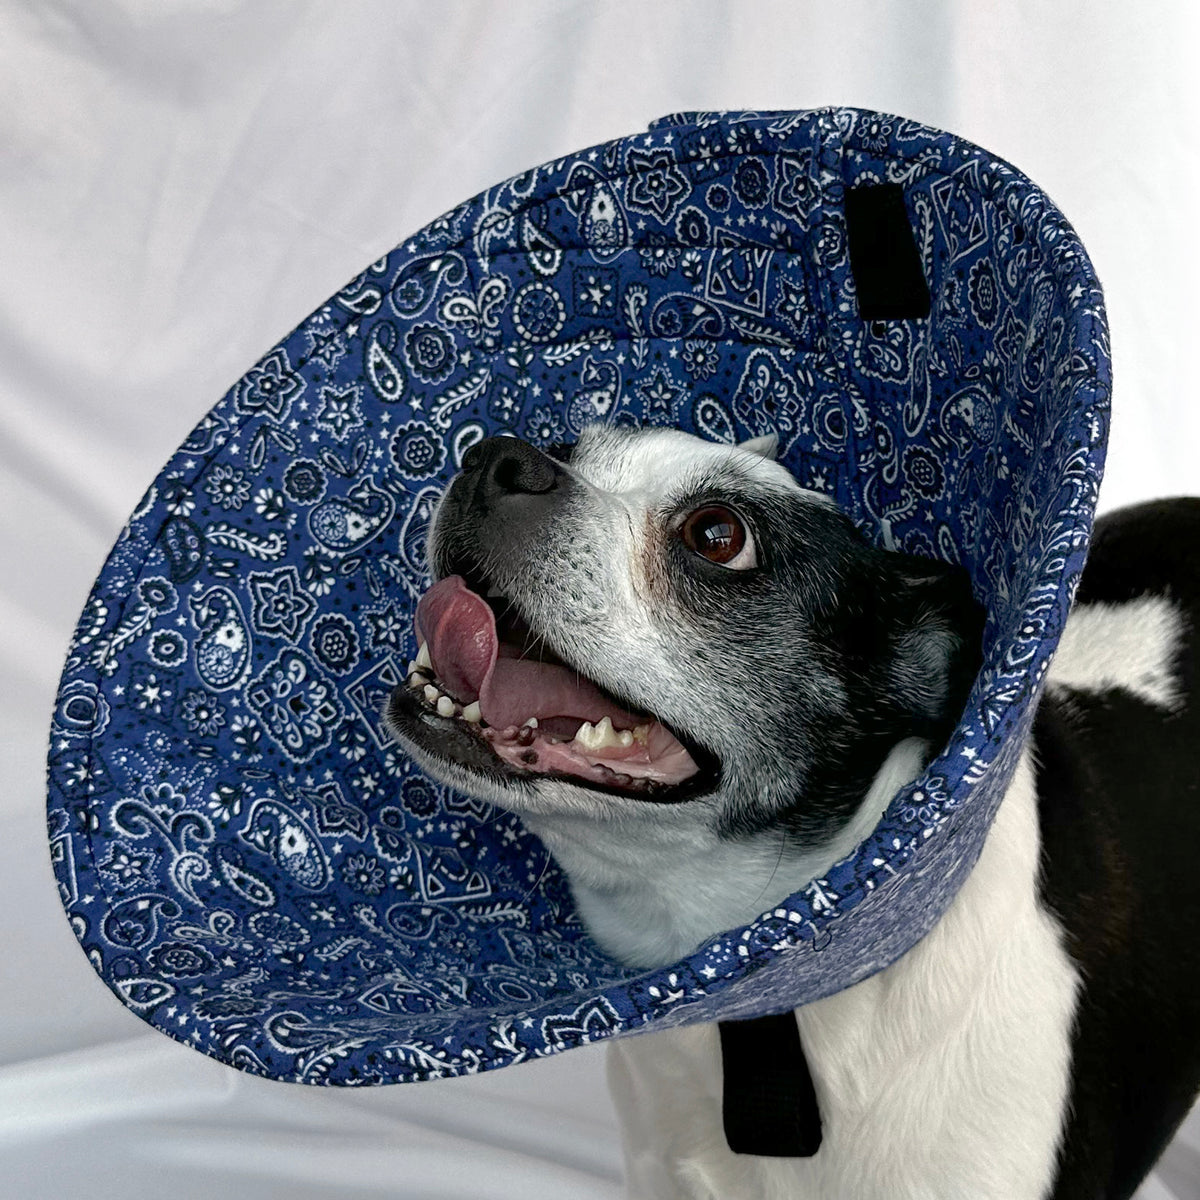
416	680
472	713
432	694
423	659
532	723
599	736
625	737
641	734
446	707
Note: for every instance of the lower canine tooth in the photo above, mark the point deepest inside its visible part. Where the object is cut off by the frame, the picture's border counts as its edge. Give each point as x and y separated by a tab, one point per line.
472	713
423	659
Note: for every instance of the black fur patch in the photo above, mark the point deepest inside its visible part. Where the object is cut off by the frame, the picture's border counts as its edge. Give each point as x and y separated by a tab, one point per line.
1119	806
841	635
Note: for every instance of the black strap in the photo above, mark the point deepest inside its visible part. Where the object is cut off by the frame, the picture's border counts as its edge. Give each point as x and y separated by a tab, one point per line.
884	257
769	1106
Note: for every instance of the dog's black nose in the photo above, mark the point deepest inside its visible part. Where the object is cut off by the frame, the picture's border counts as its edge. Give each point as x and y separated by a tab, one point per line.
508	465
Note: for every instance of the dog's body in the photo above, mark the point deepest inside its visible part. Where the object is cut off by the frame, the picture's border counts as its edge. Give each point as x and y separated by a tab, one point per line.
768	682
1056	1001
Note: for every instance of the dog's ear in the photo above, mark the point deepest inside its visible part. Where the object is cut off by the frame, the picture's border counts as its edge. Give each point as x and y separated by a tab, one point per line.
766	446
936	644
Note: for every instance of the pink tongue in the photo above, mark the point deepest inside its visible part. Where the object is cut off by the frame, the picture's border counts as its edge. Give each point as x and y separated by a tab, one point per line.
460	630
520	688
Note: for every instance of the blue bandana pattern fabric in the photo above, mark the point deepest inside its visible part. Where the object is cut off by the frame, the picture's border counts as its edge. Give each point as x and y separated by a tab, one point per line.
248	860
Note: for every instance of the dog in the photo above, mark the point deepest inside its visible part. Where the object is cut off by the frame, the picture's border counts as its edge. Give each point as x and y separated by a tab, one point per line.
700	686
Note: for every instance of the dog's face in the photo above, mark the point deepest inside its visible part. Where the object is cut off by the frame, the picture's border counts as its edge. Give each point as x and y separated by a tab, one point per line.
647	621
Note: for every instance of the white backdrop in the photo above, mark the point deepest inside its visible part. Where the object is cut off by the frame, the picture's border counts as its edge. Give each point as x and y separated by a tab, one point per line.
181	181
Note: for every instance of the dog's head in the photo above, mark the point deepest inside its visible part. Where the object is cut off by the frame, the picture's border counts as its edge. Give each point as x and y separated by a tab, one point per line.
645	622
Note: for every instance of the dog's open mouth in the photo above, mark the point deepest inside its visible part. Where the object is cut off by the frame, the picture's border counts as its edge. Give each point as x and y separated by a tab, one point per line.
483	673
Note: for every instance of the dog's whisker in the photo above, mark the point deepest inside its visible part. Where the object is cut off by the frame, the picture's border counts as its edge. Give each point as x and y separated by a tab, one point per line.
766	887
541	875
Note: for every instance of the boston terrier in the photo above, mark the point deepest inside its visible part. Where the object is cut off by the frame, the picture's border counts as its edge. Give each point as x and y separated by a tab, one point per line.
700	686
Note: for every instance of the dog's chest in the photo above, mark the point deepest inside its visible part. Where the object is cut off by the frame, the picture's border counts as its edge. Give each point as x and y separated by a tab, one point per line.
945	1075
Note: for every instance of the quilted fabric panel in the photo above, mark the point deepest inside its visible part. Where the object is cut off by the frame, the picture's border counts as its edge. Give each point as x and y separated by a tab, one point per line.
249	861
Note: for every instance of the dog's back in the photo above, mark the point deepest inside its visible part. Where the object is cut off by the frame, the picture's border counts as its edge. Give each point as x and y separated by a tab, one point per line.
1117	741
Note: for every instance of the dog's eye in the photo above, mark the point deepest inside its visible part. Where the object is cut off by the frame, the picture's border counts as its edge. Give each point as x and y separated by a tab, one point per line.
718	534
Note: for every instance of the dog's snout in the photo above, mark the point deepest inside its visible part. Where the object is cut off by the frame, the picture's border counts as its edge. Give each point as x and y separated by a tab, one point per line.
503	496
507	466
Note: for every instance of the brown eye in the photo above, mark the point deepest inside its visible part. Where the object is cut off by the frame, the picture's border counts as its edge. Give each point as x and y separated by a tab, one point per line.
717	533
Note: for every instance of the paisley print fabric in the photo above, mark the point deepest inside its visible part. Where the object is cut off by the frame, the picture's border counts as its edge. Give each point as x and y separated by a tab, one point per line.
251	863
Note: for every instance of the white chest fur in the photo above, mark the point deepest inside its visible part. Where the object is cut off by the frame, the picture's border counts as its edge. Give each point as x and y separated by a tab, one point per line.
943	1076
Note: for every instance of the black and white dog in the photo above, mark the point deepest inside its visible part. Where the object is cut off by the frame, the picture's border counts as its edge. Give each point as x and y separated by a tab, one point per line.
700	686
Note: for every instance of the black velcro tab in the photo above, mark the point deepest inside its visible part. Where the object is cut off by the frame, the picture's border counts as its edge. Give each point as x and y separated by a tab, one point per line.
884	255
768	1106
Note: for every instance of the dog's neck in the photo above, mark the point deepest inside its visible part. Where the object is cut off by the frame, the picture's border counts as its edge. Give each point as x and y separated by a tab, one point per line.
652	890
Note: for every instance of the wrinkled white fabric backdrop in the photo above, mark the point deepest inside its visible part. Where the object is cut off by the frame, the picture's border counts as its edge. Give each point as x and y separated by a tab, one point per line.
181	181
